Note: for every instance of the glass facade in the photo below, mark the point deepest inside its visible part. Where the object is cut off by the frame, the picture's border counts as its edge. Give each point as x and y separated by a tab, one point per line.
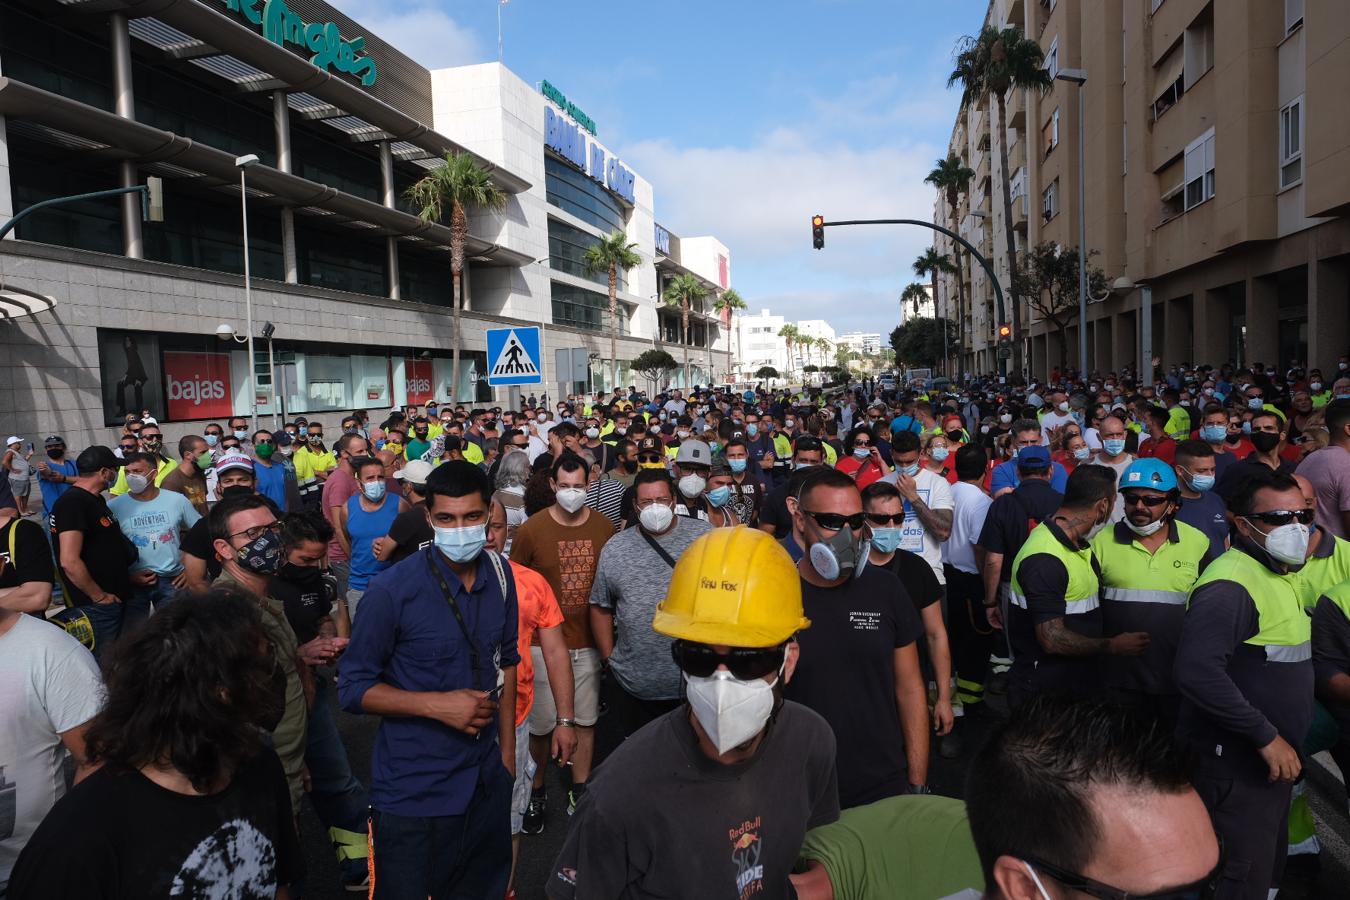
567	248
572	191
581	308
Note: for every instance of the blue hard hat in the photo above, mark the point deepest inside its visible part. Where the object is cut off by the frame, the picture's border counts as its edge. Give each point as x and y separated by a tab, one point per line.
1149	473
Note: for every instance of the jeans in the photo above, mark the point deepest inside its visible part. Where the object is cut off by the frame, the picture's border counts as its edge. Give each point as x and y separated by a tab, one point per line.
146	597
106	620
464	857
339	798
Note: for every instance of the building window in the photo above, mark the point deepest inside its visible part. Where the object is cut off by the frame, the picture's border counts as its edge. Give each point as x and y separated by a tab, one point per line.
1050	133
1291	144
567	248
1169	80
571	190
1199	170
1052	59
581	308
1293	15
1050	201
1198	47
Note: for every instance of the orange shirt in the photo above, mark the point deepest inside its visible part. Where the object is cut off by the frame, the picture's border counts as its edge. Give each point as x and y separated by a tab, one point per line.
538	609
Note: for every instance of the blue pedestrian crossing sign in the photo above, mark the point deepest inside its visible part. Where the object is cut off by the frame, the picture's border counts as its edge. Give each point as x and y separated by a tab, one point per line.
513	356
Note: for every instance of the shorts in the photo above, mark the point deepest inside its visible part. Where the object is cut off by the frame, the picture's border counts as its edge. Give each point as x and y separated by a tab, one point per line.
525	769
353	598
585	691
20	486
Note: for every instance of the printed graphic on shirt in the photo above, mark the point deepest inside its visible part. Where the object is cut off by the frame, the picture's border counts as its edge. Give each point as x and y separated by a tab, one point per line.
150	530
236	861
746	850
576	567
911	532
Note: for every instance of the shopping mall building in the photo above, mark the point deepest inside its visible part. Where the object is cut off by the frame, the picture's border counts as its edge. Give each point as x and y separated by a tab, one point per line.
112	313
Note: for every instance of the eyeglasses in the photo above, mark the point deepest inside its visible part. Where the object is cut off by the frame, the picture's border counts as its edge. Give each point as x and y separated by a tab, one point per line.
1133	499
257	531
744	663
1283	516
1204	889
835	521
883	520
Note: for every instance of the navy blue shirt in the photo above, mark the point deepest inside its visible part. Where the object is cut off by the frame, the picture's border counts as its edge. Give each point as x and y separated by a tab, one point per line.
408	638
1206	513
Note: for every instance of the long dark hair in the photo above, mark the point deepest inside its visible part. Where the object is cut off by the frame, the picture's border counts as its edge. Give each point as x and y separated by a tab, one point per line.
190	689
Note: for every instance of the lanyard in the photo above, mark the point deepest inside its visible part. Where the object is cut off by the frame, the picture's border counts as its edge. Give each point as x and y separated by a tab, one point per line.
454	608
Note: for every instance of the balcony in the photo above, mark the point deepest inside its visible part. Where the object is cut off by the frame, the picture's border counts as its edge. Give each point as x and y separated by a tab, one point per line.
1017	155
1016	104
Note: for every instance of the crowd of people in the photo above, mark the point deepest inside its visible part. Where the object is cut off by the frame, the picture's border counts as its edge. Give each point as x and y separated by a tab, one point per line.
785	602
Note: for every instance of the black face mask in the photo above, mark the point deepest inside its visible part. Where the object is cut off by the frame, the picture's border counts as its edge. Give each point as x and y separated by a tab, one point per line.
1264	441
235	490
301	576
629	465
56	453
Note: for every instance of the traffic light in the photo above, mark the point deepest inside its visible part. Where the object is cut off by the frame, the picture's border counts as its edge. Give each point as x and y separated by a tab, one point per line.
818	231
1004	332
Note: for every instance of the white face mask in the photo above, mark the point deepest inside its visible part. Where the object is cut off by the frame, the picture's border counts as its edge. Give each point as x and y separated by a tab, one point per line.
137	484
592	433
1144	530
692	485
571	499
731	711
1287	543
656	518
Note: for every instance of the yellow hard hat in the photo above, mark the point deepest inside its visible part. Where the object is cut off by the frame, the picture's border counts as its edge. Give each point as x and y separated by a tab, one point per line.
733	586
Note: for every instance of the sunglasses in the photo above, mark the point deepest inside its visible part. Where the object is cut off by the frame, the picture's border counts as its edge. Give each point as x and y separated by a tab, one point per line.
1132	499
836	521
883	520
130	448
1283	516
649	458
744	663
1204	889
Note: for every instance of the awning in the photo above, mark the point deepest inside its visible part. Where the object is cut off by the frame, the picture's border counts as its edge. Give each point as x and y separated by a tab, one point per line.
16	302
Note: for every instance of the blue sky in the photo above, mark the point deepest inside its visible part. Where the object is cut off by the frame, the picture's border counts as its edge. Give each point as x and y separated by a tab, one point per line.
746	118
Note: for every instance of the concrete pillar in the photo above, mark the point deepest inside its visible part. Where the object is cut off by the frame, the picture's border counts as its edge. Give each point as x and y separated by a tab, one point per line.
1263	320
125	106
1144	368
281	126
1176	331
1328	323
1100	357
6	193
1123	327
389	194
1036	365
1211	318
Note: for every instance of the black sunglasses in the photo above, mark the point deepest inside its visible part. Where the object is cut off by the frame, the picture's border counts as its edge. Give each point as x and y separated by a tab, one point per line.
1204	889
836	521
883	520
1283	516
1132	499
649	457
744	663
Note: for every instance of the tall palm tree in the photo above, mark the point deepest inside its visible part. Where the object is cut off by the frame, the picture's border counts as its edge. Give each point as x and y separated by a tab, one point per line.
730	302
953	177
913	293
609	256
931	263
993	62
454	188
681	293
790	335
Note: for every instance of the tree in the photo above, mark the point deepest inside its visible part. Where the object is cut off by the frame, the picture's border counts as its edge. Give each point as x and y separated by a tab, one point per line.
454	188
610	255
766	372
730	302
654	365
681	293
1048	279
953	177
915	294
991	63
931	263
811	369
790	335
919	342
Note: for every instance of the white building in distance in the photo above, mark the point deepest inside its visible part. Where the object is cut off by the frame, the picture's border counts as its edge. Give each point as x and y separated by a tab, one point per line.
758	343
864	342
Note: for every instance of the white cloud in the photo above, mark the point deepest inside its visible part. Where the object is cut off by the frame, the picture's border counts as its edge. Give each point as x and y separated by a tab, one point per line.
419	29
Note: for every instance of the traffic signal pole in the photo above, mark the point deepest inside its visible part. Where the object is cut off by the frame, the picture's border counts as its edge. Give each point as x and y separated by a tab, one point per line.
818	225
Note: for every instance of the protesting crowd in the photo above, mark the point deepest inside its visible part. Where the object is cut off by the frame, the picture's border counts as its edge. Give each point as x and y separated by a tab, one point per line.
784	603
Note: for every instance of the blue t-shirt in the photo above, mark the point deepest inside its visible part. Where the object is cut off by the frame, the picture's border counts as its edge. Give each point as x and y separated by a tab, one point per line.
1206	514
271	482
1005	476
154	526
362	529
407	637
53	489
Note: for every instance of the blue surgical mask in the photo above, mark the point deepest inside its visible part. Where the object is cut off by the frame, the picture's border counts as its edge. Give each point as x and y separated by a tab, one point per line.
1213	433
719	496
374	490
752	429
1246	427
862	452
737	466
461	545
1254	403
212	440
886	540
911	470
1082	453
940	454
1114	446
1202	483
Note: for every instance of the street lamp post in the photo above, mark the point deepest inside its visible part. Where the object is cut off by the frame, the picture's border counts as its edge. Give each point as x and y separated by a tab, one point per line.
244	163
1079	77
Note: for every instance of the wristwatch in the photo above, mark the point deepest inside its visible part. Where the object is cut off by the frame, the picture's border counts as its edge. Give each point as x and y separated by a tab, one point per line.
918	789
561	722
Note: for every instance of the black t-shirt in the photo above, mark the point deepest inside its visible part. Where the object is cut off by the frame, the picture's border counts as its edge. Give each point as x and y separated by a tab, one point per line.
916	577
106	553
1012	516
306	603
119	836
773	510
197	542
32	557
411	531
847	674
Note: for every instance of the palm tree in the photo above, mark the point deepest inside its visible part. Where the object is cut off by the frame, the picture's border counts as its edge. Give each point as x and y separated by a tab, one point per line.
913	293
609	256
729	301
953	177
682	292
993	62
932	263
454	188
790	335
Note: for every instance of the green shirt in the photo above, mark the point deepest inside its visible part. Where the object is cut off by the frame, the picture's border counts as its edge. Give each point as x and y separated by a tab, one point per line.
916	846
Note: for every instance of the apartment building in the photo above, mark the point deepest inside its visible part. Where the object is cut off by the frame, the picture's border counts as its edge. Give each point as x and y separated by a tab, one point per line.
1217	181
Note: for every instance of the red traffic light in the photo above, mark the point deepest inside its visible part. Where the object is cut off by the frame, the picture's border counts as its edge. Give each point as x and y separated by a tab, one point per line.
818	231
1004	332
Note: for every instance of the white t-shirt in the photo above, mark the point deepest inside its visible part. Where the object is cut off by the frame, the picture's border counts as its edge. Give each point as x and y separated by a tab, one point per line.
1120	465
1053	419
936	493
49	684
971	506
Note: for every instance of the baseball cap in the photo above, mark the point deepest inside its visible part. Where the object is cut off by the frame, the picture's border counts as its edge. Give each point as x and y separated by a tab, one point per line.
1033	458
415	472
282	438
720	466
233	461
54	440
91	459
13	439
695	452
651	445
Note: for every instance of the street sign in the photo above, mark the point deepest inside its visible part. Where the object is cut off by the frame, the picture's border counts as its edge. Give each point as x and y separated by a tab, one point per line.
514	356
573	365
